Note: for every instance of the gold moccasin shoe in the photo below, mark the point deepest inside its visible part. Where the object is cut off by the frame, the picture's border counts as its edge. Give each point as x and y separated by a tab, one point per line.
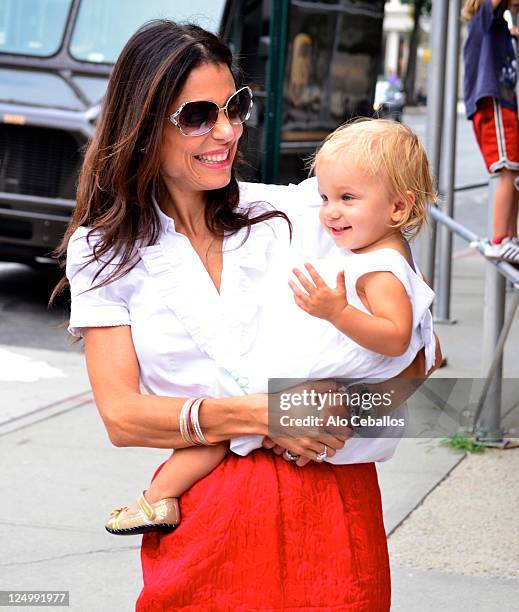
163	515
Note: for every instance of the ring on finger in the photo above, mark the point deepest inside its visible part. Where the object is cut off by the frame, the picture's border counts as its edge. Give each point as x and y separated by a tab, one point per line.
289	456
320	456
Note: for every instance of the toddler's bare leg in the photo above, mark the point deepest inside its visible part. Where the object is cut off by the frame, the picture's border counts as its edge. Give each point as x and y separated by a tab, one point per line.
183	469
505	205
180	472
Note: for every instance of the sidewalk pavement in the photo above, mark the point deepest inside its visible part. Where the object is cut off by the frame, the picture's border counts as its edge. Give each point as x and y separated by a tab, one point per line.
452	517
449	516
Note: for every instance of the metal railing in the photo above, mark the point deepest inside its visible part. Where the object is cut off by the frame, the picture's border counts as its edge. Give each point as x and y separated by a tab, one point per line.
441	130
487	424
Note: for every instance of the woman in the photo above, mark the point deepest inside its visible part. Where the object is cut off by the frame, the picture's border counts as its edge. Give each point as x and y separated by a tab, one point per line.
167	266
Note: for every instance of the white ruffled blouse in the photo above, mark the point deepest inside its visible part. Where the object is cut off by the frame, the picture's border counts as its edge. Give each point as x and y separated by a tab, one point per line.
191	340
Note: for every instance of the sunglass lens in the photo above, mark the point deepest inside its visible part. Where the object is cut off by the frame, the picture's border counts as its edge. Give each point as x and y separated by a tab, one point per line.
198	118
238	107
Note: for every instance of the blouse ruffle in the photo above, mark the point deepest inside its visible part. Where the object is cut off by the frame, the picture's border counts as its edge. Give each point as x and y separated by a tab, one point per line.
225	325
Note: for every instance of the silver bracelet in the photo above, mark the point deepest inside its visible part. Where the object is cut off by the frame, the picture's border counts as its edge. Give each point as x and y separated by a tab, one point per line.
196	423
184	421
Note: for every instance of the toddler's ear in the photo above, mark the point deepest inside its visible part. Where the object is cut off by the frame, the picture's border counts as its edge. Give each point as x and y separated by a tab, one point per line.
402	207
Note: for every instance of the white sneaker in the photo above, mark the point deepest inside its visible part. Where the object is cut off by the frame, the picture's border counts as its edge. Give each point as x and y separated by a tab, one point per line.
507	250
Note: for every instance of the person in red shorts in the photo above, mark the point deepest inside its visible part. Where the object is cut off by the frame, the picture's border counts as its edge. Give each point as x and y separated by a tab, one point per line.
491	104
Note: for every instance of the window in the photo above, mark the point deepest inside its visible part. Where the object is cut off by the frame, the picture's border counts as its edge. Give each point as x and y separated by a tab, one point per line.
102	28
32	27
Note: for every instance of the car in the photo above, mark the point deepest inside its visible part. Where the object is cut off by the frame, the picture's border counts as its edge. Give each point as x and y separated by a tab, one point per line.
389	101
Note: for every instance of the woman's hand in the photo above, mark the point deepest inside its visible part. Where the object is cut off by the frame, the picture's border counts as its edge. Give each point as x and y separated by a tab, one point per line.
307	449
280	450
307	441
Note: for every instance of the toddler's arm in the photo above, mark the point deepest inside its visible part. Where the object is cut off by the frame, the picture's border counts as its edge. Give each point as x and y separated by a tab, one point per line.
387	331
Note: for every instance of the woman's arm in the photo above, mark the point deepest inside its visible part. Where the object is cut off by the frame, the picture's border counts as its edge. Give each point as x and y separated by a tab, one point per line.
413	376
417	368
134	419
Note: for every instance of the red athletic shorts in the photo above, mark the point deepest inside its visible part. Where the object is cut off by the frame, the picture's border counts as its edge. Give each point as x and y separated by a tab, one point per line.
497	132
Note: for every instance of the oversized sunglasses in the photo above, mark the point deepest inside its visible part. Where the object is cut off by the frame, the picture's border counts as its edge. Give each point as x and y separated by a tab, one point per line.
198	118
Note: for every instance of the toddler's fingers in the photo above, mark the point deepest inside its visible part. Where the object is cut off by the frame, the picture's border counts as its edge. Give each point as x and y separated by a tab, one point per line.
341	280
305	283
314	275
298	294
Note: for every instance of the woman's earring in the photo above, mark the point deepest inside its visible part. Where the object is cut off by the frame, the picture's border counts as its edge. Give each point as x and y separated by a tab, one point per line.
143	150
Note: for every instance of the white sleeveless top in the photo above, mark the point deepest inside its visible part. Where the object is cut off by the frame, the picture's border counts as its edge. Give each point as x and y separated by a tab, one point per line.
301	336
420	295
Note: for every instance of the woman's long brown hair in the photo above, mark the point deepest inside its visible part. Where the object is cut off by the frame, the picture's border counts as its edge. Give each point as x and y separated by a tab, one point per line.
121	171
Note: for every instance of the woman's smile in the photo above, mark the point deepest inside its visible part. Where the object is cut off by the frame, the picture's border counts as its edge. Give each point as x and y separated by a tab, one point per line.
217	159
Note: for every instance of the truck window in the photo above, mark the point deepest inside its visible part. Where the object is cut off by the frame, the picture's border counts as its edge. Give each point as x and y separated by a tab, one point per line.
32	27
103	27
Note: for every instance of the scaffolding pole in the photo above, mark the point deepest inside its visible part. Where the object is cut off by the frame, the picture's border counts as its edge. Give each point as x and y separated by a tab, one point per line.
488	427
448	174
435	98
274	102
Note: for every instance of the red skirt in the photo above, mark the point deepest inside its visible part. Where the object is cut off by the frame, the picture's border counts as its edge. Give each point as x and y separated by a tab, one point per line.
260	533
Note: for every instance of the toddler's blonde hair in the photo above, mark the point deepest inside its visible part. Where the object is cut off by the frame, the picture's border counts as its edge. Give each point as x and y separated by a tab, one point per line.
389	148
470	8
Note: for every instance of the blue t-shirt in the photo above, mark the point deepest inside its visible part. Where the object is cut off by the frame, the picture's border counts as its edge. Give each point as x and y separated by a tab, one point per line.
489	56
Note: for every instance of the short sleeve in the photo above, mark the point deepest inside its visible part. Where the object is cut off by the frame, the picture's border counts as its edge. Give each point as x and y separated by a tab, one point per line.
99	307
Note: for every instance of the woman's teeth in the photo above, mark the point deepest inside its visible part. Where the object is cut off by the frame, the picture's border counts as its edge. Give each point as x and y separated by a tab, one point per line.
213	159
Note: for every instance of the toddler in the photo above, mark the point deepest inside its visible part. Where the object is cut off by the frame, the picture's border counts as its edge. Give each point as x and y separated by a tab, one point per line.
374	181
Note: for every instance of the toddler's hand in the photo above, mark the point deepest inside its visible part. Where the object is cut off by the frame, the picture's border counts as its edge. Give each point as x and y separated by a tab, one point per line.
319	300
